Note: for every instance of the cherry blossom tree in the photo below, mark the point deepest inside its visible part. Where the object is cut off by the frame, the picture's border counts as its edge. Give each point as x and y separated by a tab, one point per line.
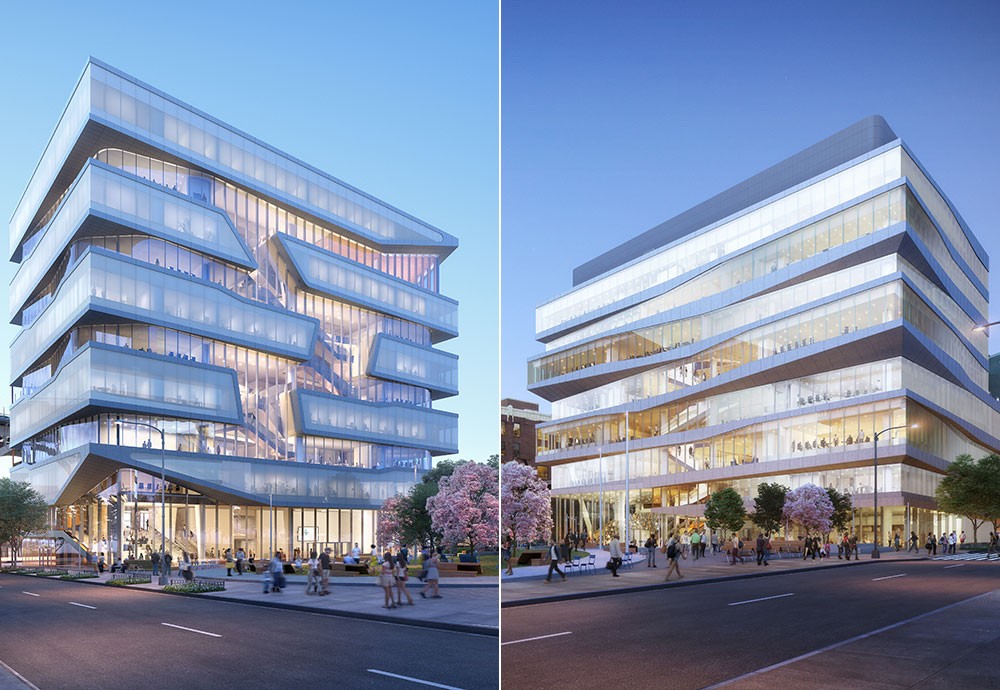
467	506
390	524
526	508
809	506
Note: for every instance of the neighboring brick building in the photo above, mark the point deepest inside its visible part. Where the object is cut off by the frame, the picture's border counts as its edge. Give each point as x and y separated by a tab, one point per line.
517	432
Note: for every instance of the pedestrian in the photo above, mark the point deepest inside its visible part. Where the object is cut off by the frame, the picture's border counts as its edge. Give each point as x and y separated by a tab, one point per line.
760	548
312	576
386	580
325	567
401	575
767	548
185	567
101	564
615	553
715	543
167	558
696	545
896	542
931	544
508	556
914	543
567	550
155	558
277	572
432	576
265	576
961	541
854	547
240	557
673	557
685	544
651	551
993	545
554	556
229	563
952	542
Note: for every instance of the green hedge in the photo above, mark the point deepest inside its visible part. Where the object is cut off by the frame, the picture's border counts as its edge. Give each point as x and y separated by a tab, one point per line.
77	576
130	581
195	587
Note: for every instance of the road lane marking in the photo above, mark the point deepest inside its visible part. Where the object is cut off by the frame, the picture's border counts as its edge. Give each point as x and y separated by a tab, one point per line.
22	678
181	627
86	606
887	577
413	680
30	594
750	601
954	566
531	639
837	645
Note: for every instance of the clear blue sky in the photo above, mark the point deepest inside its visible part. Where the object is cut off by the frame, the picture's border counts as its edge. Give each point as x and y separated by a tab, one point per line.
618	116
397	98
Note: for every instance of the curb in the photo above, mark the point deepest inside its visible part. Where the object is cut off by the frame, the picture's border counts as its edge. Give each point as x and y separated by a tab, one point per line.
691	583
336	613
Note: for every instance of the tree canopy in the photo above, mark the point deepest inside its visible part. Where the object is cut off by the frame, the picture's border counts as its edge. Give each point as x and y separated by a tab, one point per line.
466	506
769	506
809	506
842	508
22	511
525	502
972	488
725	510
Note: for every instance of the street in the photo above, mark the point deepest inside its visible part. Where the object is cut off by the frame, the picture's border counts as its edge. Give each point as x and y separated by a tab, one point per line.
71	635
700	635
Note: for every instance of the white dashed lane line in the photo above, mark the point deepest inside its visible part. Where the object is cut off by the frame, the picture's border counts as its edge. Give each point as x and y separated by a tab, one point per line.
85	606
888	577
30	594
194	630
532	639
751	601
413	680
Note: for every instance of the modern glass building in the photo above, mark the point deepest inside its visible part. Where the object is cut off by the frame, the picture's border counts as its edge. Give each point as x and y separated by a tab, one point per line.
766	335
279	326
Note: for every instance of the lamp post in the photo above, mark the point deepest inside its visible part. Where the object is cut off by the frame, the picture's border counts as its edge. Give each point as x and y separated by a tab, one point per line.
163	493
875	553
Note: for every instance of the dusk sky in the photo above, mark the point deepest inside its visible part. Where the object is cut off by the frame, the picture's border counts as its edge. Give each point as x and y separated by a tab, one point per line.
618	116
399	100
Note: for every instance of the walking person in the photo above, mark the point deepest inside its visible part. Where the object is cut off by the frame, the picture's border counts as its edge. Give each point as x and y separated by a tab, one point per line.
696	545
325	567
277	573
914	543
615	552
554	555
155	558
402	575
312	579
507	554
240	557
993	545
715	543
952	541
386	580
229	563
651	551
896	542
432	577
673	558
760	548
854	547
166	563
931	544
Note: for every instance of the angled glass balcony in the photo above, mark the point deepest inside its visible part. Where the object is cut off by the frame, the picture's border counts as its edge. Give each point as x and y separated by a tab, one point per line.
121	103
318	414
330	274
101	376
104	200
130	290
400	360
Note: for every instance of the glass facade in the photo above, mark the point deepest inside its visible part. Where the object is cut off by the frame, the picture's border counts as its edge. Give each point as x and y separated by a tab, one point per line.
773	346
276	324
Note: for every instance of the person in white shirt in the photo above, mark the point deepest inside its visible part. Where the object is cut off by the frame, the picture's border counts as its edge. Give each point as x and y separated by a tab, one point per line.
356	552
615	551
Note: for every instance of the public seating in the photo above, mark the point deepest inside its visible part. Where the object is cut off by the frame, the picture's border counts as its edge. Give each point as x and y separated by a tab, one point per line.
460	569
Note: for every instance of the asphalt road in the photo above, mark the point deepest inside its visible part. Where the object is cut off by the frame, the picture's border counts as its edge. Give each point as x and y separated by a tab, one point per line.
57	641
696	636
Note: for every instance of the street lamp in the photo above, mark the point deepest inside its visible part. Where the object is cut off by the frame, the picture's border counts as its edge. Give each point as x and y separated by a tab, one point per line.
875	553
163	493
985	326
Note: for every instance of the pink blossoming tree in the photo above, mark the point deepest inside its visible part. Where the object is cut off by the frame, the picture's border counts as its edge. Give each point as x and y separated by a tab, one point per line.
467	506
809	506
390	527
526	508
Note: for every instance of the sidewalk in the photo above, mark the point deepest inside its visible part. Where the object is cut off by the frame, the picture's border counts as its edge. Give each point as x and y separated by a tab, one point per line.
9	680
528	585
469	604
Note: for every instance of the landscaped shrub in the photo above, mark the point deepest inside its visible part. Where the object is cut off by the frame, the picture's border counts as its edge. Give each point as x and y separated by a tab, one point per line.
195	587
129	581
77	576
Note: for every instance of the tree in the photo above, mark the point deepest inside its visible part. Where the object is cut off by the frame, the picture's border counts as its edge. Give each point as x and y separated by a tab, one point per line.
769	507
972	489
405	519
466	507
725	510
525	504
809	506
842	508
22	511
